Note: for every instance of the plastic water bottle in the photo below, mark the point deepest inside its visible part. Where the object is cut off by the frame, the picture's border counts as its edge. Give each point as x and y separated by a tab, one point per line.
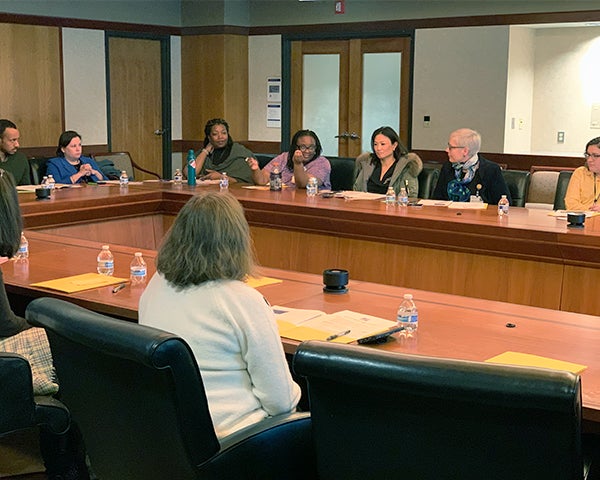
106	261
177	177
23	251
123	179
503	205
44	182
137	270
403	197
390	196
191	168
224	182
312	187
408	315
51	182
275	180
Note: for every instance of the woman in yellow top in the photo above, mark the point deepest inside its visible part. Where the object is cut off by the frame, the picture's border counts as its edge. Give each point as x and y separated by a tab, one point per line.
583	192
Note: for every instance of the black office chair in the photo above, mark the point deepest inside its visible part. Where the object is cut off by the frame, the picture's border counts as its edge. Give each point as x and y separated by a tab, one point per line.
564	178
37	168
138	397
517	182
380	415
427	180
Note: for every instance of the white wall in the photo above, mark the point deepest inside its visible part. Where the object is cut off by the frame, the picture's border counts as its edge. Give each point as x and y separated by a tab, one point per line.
85	84
264	60
460	81
519	95
567	83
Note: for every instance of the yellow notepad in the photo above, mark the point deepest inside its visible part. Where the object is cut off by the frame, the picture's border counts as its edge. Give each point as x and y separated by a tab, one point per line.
528	360
78	283
256	282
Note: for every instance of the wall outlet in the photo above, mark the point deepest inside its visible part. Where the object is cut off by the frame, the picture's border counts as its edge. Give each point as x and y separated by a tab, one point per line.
560	137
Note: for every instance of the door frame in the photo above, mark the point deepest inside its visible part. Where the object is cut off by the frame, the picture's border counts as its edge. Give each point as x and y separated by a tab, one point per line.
286	72
165	76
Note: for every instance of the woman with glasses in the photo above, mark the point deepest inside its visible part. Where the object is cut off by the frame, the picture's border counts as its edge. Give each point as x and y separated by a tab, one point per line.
302	161
467	174
583	192
390	165
221	154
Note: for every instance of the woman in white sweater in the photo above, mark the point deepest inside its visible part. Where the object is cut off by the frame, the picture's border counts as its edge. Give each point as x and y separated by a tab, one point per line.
198	293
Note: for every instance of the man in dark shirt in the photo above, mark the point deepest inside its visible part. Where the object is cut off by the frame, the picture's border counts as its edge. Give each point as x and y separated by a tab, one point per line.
10	160
467	173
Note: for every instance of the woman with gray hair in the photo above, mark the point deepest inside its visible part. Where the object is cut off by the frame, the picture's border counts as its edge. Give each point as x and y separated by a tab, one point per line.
199	293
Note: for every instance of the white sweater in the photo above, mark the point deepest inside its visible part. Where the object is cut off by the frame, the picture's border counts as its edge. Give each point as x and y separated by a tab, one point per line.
232	331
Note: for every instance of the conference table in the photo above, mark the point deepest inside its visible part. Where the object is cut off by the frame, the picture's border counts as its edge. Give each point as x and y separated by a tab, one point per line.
60	233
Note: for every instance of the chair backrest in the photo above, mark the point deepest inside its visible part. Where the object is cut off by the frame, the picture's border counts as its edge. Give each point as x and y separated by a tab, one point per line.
135	391
517	182
542	189
37	167
427	181
564	178
124	161
264	158
19	409
342	173
375	412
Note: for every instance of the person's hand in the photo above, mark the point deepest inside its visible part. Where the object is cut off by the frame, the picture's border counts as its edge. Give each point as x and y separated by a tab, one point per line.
298	157
209	148
252	163
595	208
211	175
86	168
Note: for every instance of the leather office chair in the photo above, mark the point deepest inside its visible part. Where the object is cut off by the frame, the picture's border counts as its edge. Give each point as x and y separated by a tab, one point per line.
342	173
517	182
427	181
123	161
381	415
564	178
37	169
138	397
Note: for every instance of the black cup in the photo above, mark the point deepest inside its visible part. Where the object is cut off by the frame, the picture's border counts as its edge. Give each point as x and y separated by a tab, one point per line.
42	193
335	280
576	220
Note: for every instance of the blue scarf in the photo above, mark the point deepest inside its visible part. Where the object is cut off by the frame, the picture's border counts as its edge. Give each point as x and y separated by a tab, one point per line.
458	190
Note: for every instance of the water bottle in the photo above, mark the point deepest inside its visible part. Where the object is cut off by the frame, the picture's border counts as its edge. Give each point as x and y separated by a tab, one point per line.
312	187
390	196
403	197
44	182
123	179
275	180
224	182
106	261
177	177
51	183
23	251
191	168
503	205
137	270
408	316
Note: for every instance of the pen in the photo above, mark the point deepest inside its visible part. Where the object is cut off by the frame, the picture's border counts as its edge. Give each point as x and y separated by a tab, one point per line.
119	287
337	335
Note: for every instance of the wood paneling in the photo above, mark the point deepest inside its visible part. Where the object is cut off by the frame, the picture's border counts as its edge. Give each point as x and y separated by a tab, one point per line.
135	101
214	83
30	76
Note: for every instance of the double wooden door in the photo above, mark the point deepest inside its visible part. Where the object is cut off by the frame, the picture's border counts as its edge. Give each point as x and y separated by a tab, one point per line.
345	89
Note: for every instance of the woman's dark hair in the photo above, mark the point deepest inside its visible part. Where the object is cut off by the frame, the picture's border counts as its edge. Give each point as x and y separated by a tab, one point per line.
390	133
64	140
294	147
10	216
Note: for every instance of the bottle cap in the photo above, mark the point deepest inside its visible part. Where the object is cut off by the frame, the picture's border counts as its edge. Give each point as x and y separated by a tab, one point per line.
105	247
138	254
408	296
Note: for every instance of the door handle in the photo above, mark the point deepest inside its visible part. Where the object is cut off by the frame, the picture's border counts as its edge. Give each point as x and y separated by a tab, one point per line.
159	131
343	135
354	136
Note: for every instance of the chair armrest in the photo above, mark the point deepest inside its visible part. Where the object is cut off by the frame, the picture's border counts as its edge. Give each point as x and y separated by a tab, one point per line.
52	414
136	166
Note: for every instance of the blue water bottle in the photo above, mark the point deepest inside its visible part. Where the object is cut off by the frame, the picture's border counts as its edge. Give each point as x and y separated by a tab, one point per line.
191	168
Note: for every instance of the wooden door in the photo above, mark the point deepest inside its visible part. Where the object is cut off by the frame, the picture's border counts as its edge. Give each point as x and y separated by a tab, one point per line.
136	101
350	55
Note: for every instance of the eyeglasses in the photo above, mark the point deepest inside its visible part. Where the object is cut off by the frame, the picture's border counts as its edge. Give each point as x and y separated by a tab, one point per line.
450	147
595	156
306	148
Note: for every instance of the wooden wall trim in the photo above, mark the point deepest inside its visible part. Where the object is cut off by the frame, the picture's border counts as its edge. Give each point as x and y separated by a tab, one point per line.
50	151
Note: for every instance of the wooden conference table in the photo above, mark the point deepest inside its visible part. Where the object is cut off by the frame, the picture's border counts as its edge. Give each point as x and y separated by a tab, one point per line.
66	233
529	257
